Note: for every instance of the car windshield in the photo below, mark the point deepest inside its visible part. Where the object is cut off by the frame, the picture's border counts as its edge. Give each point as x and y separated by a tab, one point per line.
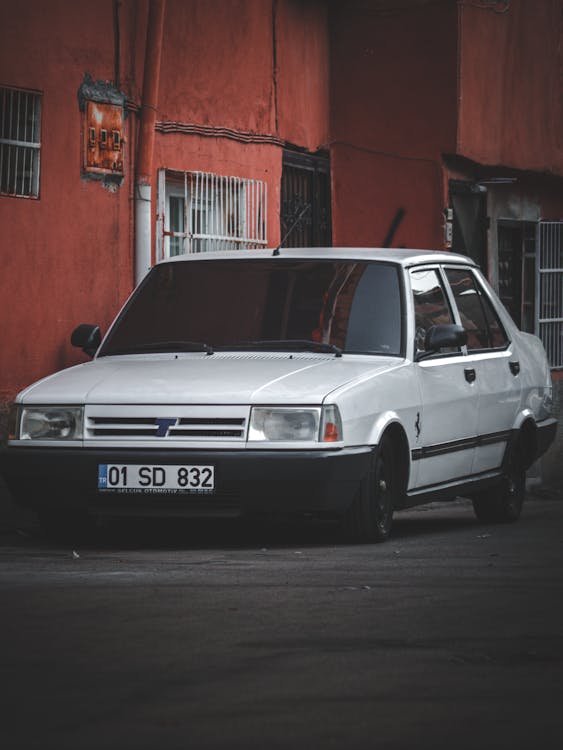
267	304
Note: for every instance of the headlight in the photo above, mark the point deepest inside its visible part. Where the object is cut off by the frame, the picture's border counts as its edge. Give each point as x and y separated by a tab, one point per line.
51	423
289	424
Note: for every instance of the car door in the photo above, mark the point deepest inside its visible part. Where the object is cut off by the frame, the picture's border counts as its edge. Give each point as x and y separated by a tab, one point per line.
492	358
446	427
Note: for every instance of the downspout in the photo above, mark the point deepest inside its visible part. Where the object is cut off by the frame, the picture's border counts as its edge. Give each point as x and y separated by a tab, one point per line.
145	150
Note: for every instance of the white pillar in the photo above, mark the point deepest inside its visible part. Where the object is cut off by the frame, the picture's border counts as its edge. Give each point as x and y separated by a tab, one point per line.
143	214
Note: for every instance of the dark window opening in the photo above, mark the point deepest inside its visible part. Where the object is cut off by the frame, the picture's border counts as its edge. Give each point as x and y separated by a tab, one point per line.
469	237
305	219
517	271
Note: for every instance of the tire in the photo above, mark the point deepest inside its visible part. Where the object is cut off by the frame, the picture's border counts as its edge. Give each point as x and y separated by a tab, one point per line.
503	503
66	526
370	517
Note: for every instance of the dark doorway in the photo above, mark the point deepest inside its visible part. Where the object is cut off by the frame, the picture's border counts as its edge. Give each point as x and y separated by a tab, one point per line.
305	201
469	203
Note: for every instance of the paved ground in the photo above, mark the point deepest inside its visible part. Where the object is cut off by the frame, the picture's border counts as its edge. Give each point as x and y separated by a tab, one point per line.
215	636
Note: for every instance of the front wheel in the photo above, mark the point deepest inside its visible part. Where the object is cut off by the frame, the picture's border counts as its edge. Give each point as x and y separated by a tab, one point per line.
503	503
370	517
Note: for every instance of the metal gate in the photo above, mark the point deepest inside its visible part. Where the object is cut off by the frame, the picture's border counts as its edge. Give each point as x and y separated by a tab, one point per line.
549	289
305	201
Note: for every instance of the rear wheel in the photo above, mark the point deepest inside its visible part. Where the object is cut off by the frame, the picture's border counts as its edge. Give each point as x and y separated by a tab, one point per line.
503	503
370	517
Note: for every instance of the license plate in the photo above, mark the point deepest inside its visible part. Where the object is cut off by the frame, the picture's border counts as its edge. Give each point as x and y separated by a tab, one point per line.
150	478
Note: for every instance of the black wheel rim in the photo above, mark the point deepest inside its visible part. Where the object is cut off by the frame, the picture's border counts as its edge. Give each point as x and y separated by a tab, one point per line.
383	494
515	484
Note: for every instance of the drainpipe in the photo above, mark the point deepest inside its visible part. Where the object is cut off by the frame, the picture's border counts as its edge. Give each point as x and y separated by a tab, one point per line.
143	182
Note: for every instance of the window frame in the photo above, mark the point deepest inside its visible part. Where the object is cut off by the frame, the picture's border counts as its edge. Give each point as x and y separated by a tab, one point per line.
481	292
549	280
237	208
450	302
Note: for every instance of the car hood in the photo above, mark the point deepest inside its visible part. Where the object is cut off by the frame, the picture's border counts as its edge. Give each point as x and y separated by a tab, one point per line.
222	378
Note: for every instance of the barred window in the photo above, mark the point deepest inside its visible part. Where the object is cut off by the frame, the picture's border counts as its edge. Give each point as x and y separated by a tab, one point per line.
20	142
203	212
550	288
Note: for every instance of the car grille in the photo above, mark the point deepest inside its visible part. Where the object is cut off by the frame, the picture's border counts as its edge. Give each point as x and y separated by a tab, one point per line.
167	425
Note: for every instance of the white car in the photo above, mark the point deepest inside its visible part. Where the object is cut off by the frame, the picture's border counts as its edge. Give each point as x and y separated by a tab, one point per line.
335	383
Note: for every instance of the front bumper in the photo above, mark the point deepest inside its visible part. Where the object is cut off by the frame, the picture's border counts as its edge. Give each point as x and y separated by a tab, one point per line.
320	483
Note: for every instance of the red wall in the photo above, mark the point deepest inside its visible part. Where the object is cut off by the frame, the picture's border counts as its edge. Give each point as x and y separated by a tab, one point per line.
217	64
250	65
510	105
302	75
393	115
255	67
65	258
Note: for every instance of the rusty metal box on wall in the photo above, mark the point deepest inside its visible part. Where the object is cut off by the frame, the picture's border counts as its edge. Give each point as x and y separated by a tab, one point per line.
103	130
103	134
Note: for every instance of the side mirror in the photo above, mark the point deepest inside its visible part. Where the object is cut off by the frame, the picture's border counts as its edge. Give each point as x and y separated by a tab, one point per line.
87	337
443	337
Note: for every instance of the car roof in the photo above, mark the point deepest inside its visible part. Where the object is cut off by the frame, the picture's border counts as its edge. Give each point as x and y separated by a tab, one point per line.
403	256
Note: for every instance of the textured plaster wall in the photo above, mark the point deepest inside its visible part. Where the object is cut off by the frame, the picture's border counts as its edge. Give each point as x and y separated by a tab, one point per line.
393	110
66	257
510	103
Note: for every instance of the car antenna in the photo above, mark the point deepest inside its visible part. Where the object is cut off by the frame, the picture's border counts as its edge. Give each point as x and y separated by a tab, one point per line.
397	219
291	228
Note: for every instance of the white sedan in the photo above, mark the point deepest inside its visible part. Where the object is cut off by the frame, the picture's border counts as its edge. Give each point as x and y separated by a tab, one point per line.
335	383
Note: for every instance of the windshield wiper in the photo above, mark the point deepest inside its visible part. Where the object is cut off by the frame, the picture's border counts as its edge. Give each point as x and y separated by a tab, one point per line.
289	345
165	346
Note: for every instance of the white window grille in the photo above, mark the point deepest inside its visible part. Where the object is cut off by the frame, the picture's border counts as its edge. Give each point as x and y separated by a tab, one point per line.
203	212
20	143
549	290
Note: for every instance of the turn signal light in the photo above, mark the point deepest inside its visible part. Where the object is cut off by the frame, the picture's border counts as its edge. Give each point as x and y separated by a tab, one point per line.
331	433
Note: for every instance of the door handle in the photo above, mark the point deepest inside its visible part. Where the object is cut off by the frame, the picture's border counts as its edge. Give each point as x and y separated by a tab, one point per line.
470	374
514	367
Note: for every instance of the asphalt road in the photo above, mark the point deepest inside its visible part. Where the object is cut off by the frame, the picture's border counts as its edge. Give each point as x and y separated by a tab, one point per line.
450	635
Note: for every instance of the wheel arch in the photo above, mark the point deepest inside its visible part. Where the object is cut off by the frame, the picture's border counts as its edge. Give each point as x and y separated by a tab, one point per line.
395	432
525	438
528	442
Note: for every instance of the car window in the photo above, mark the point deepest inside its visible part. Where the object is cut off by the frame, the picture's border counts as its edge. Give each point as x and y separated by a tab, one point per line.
235	304
430	304
478	317
497	334
375	315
